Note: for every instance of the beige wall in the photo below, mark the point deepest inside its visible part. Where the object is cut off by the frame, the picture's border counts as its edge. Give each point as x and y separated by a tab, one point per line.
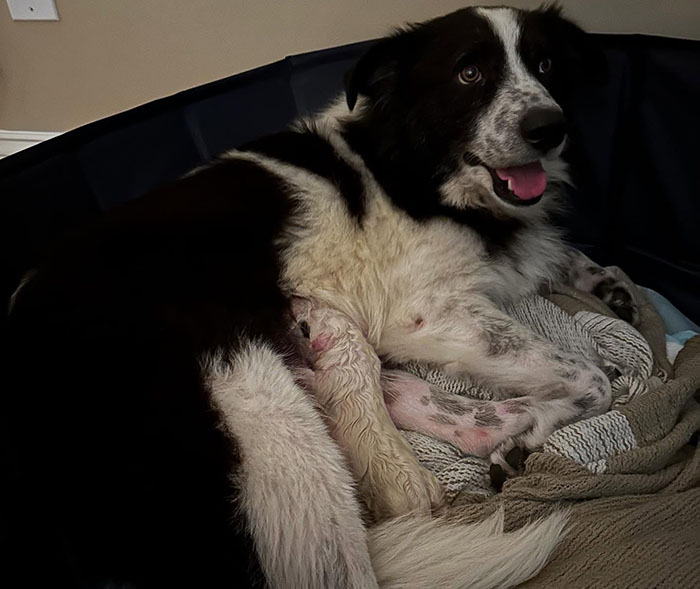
105	56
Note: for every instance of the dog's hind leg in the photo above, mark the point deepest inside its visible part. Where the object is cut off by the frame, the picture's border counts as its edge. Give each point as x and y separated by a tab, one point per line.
296	495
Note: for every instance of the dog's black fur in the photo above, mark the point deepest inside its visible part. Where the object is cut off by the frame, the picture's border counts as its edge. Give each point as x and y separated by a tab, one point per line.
122	463
121	452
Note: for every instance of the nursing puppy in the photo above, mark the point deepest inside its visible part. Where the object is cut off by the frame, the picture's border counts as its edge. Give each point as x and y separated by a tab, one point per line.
155	359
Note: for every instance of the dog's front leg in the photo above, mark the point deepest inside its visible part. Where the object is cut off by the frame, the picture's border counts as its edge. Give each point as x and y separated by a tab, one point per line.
346	383
479	340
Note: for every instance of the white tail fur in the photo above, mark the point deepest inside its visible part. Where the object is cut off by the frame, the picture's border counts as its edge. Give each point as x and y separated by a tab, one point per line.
410	553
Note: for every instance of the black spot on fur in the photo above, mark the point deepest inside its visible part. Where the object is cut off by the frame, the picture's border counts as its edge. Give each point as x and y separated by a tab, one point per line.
425	400
449	403
485	416
500	337
443	419
559	392
515	406
586	403
599	380
306	149
565	373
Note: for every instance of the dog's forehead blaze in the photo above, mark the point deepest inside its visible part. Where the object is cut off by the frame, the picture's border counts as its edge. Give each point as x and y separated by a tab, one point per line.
507	25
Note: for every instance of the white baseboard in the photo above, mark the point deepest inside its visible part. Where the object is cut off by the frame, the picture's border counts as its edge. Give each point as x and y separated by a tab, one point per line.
13	141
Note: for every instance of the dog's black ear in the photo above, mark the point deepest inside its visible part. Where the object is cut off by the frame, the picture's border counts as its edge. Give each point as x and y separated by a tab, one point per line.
376	71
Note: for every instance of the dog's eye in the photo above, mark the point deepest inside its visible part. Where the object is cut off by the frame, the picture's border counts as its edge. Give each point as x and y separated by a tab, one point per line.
545	65
469	74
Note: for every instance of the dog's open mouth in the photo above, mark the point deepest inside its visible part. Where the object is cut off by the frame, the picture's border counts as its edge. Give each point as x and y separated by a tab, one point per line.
521	185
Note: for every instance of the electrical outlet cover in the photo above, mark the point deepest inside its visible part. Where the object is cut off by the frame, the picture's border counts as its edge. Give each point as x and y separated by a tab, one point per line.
33	9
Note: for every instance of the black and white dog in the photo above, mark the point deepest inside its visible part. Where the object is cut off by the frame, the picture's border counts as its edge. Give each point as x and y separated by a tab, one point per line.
166	439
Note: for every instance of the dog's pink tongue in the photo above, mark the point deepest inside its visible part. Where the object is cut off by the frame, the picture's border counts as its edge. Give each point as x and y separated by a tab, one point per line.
526	182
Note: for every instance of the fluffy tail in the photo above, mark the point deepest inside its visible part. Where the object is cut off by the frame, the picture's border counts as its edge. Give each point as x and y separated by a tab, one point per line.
408	554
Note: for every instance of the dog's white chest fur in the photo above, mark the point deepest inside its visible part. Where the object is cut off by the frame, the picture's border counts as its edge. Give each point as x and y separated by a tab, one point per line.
390	272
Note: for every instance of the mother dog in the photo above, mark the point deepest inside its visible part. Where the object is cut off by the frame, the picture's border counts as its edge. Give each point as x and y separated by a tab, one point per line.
166	439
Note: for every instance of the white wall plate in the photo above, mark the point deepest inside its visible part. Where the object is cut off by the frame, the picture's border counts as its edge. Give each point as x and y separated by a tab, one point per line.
33	9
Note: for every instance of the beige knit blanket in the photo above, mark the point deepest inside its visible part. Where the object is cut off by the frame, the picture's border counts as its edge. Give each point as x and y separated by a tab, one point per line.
631	477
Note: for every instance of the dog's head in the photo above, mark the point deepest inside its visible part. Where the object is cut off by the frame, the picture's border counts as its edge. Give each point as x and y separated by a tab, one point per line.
477	98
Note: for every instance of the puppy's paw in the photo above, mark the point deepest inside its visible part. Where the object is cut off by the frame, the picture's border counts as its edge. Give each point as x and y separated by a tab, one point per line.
395	488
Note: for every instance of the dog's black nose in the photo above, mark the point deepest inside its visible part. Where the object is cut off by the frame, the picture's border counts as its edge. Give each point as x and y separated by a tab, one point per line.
543	128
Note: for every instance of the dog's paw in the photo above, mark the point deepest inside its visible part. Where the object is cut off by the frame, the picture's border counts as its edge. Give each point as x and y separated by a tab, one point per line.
605	284
507	464
511	455
395	488
618	296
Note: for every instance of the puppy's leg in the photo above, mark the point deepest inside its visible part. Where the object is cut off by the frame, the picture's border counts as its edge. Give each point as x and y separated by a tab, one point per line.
475	427
480	340
347	386
297	497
